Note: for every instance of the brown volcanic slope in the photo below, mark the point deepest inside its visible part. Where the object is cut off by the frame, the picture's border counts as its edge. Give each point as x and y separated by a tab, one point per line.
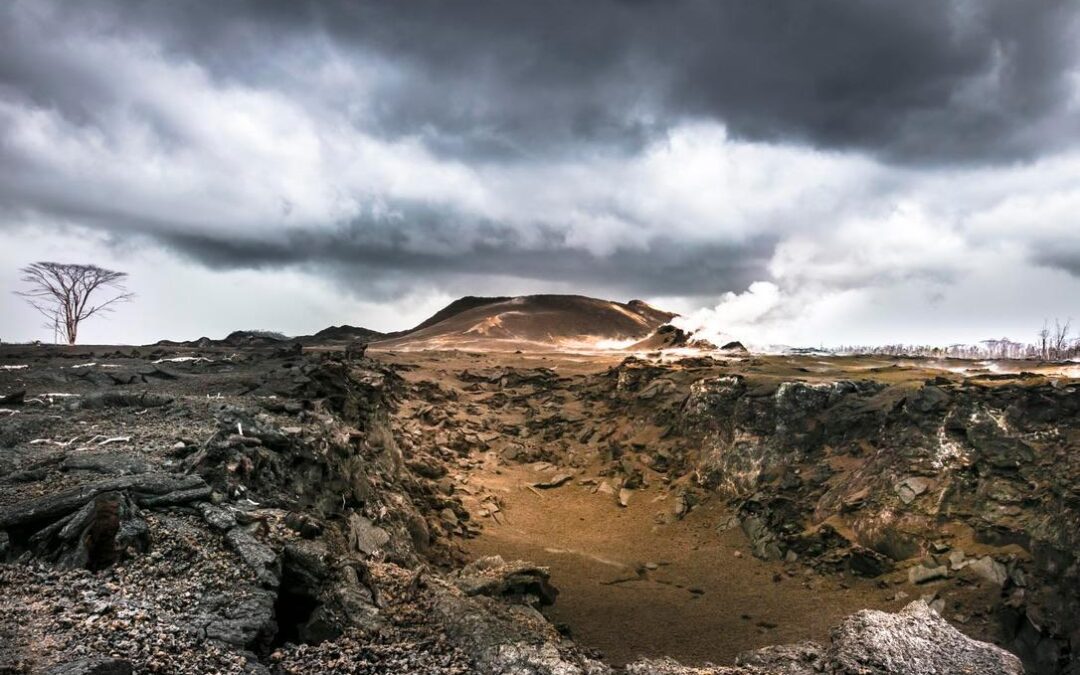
530	322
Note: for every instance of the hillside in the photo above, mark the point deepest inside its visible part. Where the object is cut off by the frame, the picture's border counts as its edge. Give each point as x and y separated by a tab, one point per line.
343	333
531	322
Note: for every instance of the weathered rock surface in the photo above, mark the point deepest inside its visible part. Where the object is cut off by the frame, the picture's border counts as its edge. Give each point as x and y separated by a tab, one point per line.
914	640
516	581
93	666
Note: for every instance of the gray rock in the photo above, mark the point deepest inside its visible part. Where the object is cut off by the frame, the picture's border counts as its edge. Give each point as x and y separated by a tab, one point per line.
248	622
517	580
50	507
957	560
668	666
679	506
122	399
910	488
258	556
194	494
106	529
538	659
763	541
557	481
117	464
914	640
95	665
217	517
365	536
307	562
803	658
921	575
989	569
508	640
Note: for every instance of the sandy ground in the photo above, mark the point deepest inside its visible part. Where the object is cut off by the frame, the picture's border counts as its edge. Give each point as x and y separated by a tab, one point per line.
630	587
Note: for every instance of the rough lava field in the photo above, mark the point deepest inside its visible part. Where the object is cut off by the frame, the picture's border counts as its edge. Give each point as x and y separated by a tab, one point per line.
253	505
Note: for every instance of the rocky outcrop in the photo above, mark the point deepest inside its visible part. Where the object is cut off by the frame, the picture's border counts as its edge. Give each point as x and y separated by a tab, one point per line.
972	480
511	639
914	640
254	533
518	582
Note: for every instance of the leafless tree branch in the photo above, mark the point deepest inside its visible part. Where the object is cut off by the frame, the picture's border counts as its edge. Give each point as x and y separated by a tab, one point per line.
61	292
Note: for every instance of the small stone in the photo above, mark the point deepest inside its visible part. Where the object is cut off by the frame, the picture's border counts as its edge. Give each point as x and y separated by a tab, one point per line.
989	569
921	575
365	536
956	560
558	481
910	488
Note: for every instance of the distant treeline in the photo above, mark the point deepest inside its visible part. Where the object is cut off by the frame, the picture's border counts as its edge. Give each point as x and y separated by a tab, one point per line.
1054	343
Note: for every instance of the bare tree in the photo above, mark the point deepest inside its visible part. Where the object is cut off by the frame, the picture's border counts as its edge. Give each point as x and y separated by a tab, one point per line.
1059	339
1055	343
61	292
1044	340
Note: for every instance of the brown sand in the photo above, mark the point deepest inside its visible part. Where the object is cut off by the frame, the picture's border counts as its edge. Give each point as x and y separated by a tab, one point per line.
707	599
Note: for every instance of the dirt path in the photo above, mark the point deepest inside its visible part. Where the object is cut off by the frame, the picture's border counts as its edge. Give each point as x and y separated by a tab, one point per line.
630	587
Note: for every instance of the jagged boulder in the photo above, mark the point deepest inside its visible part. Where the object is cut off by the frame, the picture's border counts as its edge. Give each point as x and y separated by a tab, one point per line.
516	581
106	529
914	640
508	639
96	524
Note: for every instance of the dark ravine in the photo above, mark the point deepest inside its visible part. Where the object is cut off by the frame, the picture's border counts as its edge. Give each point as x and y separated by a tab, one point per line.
257	509
962	477
957	489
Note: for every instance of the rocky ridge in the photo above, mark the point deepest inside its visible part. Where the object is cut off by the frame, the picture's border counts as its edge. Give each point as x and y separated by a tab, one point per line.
264	510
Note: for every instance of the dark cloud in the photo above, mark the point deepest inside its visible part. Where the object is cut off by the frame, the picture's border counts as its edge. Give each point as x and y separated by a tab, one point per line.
1064	256
913	81
919	81
188	123
379	262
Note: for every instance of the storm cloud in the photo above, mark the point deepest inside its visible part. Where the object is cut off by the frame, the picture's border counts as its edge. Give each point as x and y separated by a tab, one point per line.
840	153
921	81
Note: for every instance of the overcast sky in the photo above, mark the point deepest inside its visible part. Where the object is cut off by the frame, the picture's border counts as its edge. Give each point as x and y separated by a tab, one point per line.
787	172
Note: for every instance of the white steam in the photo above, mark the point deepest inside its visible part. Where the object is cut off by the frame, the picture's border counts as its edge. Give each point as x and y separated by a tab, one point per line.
738	316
